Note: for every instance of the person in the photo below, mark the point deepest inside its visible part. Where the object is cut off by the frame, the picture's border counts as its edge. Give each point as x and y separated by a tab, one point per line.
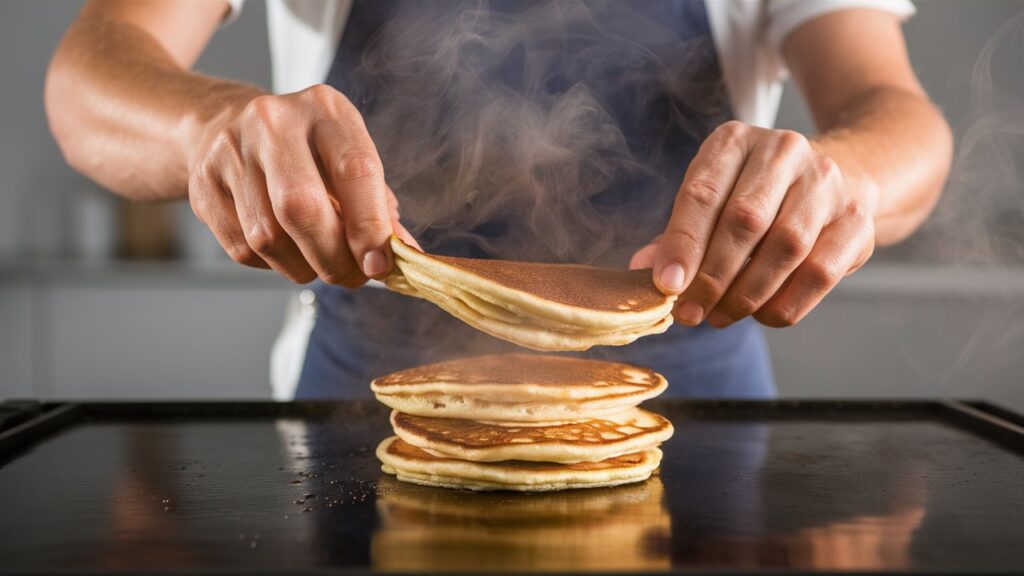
485	121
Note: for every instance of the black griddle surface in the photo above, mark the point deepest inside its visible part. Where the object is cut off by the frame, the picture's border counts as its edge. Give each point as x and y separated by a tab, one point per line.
264	487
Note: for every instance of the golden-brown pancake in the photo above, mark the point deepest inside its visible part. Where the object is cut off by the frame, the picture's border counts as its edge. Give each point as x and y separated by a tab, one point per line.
633	430
518	388
410	464
540	306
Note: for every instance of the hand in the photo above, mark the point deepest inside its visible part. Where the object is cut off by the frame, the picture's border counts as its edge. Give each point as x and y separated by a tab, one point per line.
294	183
763	225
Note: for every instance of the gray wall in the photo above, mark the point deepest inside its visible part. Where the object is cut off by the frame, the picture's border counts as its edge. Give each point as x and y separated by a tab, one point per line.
72	329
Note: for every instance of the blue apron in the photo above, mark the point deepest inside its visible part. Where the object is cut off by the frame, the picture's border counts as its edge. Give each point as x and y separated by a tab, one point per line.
647	73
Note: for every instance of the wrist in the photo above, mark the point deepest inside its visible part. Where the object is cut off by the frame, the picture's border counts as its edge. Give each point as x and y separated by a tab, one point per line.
858	184
223	102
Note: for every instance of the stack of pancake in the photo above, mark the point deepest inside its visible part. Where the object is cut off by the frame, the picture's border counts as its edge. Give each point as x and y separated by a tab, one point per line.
522	422
548	307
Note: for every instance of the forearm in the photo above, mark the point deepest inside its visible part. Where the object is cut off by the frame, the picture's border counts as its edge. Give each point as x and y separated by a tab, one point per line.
126	114
894	149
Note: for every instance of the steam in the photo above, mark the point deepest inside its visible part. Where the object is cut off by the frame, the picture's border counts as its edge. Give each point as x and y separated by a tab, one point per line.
495	128
980	219
977	232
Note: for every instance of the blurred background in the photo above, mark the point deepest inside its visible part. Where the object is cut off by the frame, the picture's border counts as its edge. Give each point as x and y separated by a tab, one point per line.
104	299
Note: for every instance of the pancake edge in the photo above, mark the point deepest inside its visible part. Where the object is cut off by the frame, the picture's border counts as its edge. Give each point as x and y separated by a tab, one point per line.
476	476
548	451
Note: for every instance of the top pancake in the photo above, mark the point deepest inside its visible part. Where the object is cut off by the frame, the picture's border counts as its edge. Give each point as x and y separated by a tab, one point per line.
541	306
569	284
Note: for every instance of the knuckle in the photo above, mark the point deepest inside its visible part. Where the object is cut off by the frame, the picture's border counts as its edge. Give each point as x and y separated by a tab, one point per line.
827	169
791	241
320	92
776	318
731	130
702	193
297	208
856	211
266	110
791	140
822	273
746	305
263	238
741	306
242	254
358	165
746	219
226	147
709	283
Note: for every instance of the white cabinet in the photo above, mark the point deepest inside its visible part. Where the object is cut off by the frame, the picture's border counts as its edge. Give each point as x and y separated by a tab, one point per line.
138	331
150	342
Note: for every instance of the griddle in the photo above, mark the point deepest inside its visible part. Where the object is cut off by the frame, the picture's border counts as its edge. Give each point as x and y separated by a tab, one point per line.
747	487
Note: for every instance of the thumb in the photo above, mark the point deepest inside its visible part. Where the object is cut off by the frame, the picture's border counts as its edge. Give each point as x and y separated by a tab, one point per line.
672	261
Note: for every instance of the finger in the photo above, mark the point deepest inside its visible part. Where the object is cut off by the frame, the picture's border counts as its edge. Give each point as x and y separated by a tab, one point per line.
843	247
709	179
405	235
244	182
644	257
807	208
357	180
396	223
306	210
215	208
264	233
769	172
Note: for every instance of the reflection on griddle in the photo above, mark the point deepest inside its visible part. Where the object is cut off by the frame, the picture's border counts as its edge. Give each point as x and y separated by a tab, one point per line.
785	497
621	528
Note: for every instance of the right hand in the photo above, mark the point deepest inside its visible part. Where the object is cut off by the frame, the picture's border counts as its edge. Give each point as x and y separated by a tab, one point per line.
294	183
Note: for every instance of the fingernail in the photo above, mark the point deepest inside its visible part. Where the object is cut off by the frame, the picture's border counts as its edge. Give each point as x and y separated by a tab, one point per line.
374	263
689	312
672	276
719	319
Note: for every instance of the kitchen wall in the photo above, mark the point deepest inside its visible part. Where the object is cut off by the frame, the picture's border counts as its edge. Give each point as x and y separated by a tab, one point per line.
908	325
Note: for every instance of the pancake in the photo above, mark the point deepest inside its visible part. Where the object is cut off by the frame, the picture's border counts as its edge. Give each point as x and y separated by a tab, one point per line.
410	464
511	388
630	431
547	307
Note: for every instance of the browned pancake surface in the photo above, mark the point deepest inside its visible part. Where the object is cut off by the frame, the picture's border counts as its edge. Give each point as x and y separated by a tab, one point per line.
525	369
470	434
402	449
587	287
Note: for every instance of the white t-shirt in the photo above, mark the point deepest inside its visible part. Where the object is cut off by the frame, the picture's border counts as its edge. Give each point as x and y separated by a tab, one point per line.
748	36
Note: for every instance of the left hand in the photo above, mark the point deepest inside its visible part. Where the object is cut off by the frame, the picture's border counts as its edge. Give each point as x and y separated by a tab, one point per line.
763	225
